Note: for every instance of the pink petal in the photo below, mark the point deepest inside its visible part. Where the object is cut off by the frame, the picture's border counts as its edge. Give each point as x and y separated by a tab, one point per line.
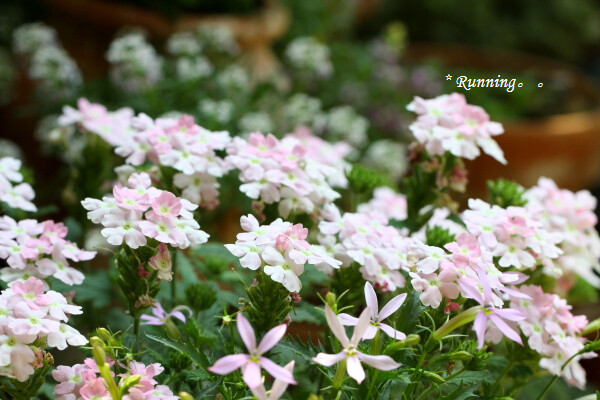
279	387
371	299
179	315
347	319
505	329
383	363
246	332
329	359
479	328
370	332
149	320
509	314
228	364
277	372
252	375
391	332
354	369
359	330
271	338
336	326
392	306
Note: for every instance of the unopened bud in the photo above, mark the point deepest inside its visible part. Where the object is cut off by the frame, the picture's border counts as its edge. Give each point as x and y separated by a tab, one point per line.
185	396
591	327
410	340
433	377
172	330
104	334
98	351
461	356
130	381
331	299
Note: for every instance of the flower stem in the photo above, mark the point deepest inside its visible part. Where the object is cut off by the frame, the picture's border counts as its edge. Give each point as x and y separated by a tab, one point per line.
174	280
411	387
461	319
338	380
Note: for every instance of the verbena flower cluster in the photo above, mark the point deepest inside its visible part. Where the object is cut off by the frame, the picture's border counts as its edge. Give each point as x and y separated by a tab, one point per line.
280	249
139	211
39	249
13	191
448	123
83	382
297	172
31	319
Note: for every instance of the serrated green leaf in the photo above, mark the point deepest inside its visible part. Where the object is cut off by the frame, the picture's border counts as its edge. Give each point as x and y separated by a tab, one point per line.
198	358
196	375
462	391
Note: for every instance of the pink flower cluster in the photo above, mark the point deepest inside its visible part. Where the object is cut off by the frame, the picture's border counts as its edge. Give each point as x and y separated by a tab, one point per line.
18	196
112	126
515	234
280	248
286	171
140	211
466	269
39	249
82	382
175	142
448	123
386	201
553	332
29	314
572	216
367	239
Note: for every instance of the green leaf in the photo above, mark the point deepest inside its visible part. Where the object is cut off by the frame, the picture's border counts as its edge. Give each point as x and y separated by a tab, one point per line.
196	375
208	391
410	311
186	269
462	392
198	358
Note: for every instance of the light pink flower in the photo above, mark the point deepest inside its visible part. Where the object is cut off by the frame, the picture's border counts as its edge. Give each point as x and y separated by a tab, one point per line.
160	315
251	363
350	353
161	262
375	324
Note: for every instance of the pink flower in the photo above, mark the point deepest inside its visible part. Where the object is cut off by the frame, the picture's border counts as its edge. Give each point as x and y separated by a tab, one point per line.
163	229
162	263
350	353
251	363
497	317
278	388
160	315
32	292
130	199
167	204
95	390
391	307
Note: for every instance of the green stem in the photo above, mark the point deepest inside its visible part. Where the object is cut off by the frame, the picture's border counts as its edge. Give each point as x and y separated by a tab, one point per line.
413	382
338	380
174	280
502	375
547	388
372	383
376	344
461	319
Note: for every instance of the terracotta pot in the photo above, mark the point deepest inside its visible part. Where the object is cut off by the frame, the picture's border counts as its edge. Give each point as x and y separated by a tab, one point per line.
564	147
98	21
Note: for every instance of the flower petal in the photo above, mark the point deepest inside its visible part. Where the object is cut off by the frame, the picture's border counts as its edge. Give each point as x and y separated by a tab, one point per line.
509	314
479	327
252	375
505	329
392	306
348	320
271	338
355	369
371	299
279	387
361	326
370	332
336	326
329	359
246	332
277	372
383	363
391	332
228	364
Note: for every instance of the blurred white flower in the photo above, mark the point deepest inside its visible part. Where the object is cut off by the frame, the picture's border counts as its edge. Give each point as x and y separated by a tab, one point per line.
220	111
29	38
255	122
301	109
308	54
387	156
192	68
184	44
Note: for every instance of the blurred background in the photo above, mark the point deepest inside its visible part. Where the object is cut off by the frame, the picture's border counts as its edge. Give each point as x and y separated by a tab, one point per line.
344	69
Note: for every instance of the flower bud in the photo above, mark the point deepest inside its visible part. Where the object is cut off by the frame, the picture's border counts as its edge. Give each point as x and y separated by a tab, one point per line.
104	334
98	351
461	356
410	340
172	330
185	396
331	299
200	296
130	381
591	327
